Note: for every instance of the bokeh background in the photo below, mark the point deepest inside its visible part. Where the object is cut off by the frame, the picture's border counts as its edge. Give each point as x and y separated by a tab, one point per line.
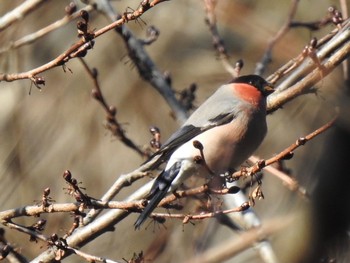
62	127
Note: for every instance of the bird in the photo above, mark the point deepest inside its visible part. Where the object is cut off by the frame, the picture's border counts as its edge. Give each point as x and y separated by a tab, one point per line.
218	137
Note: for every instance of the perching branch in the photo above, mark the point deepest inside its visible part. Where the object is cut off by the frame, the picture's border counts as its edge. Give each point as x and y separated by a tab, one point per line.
285	154
297	77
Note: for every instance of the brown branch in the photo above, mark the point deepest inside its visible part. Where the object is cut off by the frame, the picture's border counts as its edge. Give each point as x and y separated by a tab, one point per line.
188	217
266	59
61	247
36	210
106	221
19	12
28	39
296	62
79	46
112	123
286	153
203	189
313	25
336	50
144	64
122	182
290	182
209	6
32	233
233	246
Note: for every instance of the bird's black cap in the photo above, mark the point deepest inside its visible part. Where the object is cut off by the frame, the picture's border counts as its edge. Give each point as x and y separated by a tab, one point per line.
258	82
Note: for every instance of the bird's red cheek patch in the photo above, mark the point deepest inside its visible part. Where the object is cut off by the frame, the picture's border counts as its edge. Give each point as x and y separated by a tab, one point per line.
247	92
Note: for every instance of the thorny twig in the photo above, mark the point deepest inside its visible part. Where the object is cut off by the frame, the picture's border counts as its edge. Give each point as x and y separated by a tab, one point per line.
334	50
145	65
290	182
112	123
285	154
189	217
28	39
58	244
266	59
81	45
112	217
203	189
218	42
149	72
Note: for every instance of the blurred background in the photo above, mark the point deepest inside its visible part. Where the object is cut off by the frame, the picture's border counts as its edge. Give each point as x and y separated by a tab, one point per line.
62	127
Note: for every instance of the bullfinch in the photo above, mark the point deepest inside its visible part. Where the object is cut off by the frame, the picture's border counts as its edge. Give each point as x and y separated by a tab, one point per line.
218	137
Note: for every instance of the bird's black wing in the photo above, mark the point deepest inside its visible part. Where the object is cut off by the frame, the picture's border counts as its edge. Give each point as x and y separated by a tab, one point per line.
183	135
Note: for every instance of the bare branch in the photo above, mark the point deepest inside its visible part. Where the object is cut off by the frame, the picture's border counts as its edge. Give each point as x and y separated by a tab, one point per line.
261	66
146	67
286	153
336	50
229	248
19	12
112	123
79	46
218	43
28	39
290	182
36	210
188	217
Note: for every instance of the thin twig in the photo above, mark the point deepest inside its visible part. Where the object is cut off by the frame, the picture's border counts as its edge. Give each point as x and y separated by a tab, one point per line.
79	45
286	153
188	217
209	6
261	66
28	39
19	12
112	123
26	230
122	182
110	218
229	248
290	182
331	48
144	64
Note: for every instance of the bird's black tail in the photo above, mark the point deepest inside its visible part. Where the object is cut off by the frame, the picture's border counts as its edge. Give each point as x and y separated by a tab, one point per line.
155	200
158	192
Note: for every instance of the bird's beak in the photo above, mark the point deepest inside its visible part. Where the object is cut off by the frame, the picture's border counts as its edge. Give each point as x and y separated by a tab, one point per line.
268	89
